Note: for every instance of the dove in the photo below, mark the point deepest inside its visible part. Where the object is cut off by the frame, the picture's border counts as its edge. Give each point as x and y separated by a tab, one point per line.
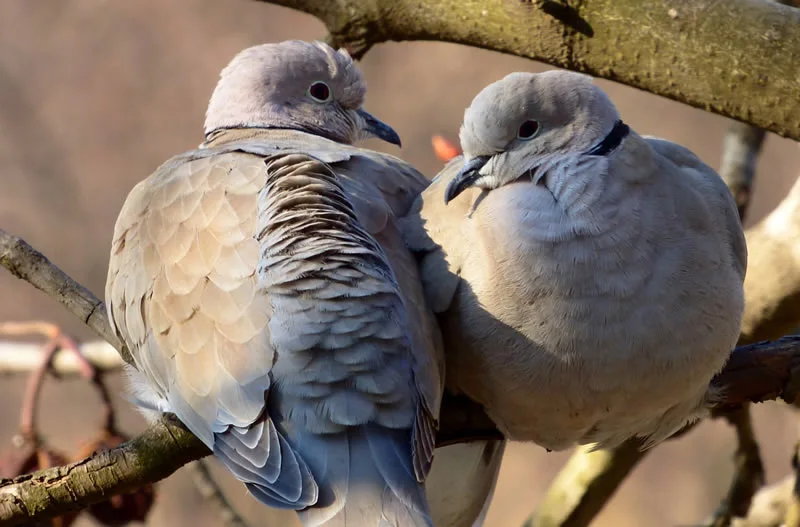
269	302
587	280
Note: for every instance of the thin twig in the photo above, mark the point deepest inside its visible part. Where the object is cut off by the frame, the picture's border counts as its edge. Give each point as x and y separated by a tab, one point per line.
748	475
742	145
56	340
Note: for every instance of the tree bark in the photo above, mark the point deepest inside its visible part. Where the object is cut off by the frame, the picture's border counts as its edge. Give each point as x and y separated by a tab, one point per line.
153	455
737	58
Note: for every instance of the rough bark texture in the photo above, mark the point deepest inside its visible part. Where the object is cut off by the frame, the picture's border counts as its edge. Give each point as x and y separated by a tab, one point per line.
155	454
755	373
705	53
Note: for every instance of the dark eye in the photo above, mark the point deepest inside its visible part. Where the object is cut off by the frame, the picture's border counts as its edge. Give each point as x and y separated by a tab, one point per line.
527	130
320	92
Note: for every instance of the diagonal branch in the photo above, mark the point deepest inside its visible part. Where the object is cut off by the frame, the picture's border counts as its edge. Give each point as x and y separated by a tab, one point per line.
755	373
641	44
25	262
153	455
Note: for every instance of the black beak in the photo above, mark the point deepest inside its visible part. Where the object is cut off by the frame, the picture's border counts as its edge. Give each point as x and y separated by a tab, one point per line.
371	126
468	174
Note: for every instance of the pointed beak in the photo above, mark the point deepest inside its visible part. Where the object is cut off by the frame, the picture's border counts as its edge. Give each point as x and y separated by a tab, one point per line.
371	126
465	178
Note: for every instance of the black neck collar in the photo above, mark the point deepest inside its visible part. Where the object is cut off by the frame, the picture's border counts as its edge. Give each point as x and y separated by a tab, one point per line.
611	141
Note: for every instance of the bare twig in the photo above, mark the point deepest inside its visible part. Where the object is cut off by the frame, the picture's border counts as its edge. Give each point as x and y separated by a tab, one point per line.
739	157
740	154
748	475
56	340
210	490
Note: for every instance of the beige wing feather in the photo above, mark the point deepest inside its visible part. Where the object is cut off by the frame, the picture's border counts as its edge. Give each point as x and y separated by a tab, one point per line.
184	292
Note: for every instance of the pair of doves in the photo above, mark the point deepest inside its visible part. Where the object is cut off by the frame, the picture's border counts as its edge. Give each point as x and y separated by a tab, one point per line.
290	297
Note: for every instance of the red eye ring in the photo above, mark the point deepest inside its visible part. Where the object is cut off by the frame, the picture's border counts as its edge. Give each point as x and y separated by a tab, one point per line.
319	91
528	130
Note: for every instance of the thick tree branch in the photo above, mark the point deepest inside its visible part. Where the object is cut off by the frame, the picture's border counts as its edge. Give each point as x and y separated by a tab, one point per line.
167	445
704	53
153	455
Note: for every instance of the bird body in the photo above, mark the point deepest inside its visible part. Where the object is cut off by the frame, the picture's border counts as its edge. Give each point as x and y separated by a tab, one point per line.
588	280
268	300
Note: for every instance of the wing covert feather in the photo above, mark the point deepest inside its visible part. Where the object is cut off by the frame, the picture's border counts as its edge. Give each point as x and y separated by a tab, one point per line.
184	292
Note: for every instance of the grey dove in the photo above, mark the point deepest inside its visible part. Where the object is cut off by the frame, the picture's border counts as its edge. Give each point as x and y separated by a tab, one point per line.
264	290
588	280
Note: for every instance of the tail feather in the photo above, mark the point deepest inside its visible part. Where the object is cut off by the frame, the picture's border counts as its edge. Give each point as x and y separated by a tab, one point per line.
268	466
366	478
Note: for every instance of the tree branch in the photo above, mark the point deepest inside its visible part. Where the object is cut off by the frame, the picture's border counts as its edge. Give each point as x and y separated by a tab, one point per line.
754	373
25	262
153	455
704	53
167	445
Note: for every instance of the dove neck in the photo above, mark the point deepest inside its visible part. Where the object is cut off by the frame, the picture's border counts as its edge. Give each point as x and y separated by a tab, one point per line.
611	141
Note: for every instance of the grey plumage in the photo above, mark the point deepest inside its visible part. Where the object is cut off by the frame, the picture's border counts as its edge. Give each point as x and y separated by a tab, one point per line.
588	280
269	302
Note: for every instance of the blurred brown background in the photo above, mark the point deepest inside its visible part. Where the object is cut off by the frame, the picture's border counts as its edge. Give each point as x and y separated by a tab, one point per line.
95	94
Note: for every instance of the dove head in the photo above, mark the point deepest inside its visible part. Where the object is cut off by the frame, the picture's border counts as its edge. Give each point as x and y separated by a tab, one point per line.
297	85
526	122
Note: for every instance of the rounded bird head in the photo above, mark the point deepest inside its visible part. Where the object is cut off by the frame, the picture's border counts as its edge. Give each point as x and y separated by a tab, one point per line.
530	120
296	85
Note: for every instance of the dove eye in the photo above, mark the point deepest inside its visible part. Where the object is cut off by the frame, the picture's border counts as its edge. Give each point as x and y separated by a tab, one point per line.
527	130
320	92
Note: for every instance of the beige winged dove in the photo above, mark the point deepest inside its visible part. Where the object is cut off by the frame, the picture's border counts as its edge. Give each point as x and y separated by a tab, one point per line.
268	300
588	280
